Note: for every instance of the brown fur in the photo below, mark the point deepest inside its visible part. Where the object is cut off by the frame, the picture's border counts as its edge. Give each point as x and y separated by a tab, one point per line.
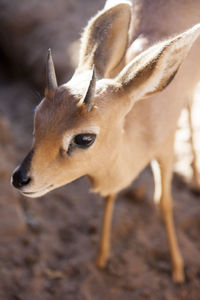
130	133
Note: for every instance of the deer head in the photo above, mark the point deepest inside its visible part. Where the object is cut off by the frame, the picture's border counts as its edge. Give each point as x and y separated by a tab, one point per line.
79	126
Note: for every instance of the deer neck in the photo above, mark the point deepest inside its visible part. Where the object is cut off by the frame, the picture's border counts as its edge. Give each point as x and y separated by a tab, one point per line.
118	172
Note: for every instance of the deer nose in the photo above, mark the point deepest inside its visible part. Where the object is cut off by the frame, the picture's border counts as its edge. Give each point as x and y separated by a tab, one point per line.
20	179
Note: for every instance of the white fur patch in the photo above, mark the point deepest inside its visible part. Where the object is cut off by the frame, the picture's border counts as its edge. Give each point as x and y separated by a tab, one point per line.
69	135
112	3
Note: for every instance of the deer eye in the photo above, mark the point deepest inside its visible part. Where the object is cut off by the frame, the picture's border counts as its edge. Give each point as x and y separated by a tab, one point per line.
84	140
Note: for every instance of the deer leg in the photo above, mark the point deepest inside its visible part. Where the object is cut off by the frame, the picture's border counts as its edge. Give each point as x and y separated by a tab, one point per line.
104	249
165	161
194	154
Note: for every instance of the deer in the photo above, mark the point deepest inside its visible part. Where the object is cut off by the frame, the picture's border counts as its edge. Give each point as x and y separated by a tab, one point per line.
117	113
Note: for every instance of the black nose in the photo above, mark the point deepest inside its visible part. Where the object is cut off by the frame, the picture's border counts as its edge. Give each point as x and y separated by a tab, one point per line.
20	179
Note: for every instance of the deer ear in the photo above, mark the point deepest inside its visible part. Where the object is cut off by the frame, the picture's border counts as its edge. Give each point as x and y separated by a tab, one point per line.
105	39
155	68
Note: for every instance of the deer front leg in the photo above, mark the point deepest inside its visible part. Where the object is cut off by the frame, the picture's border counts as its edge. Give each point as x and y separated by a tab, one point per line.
165	161
196	179
104	249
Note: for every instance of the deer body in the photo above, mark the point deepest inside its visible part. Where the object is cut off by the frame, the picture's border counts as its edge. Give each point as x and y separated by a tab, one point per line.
96	125
147	128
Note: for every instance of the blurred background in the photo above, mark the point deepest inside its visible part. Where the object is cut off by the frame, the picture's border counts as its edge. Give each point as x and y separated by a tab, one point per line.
48	245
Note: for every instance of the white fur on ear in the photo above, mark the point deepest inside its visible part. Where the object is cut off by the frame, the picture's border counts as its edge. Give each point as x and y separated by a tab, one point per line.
111	3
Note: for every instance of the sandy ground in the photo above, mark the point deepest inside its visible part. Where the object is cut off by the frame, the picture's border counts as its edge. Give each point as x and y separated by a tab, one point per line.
48	245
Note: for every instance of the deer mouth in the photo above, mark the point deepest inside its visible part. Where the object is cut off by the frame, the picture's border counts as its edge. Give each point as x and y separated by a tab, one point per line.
38	193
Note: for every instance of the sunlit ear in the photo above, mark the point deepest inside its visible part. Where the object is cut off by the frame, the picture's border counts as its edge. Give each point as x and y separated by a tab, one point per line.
104	40
155	68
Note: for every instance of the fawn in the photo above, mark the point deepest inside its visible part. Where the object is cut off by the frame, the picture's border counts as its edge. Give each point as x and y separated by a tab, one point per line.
96	125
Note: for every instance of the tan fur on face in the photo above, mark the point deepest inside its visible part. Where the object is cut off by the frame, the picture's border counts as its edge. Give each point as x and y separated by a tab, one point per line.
53	121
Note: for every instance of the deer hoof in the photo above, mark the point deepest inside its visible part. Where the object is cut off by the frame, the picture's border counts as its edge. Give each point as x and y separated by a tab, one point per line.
101	262
178	276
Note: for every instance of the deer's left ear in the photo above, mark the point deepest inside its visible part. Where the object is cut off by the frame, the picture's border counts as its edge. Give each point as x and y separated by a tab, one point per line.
155	68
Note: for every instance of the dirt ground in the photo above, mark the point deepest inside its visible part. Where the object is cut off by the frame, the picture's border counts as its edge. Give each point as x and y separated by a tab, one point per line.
48	245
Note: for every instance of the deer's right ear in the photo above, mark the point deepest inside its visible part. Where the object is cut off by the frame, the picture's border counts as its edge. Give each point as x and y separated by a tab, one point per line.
105	39
154	69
